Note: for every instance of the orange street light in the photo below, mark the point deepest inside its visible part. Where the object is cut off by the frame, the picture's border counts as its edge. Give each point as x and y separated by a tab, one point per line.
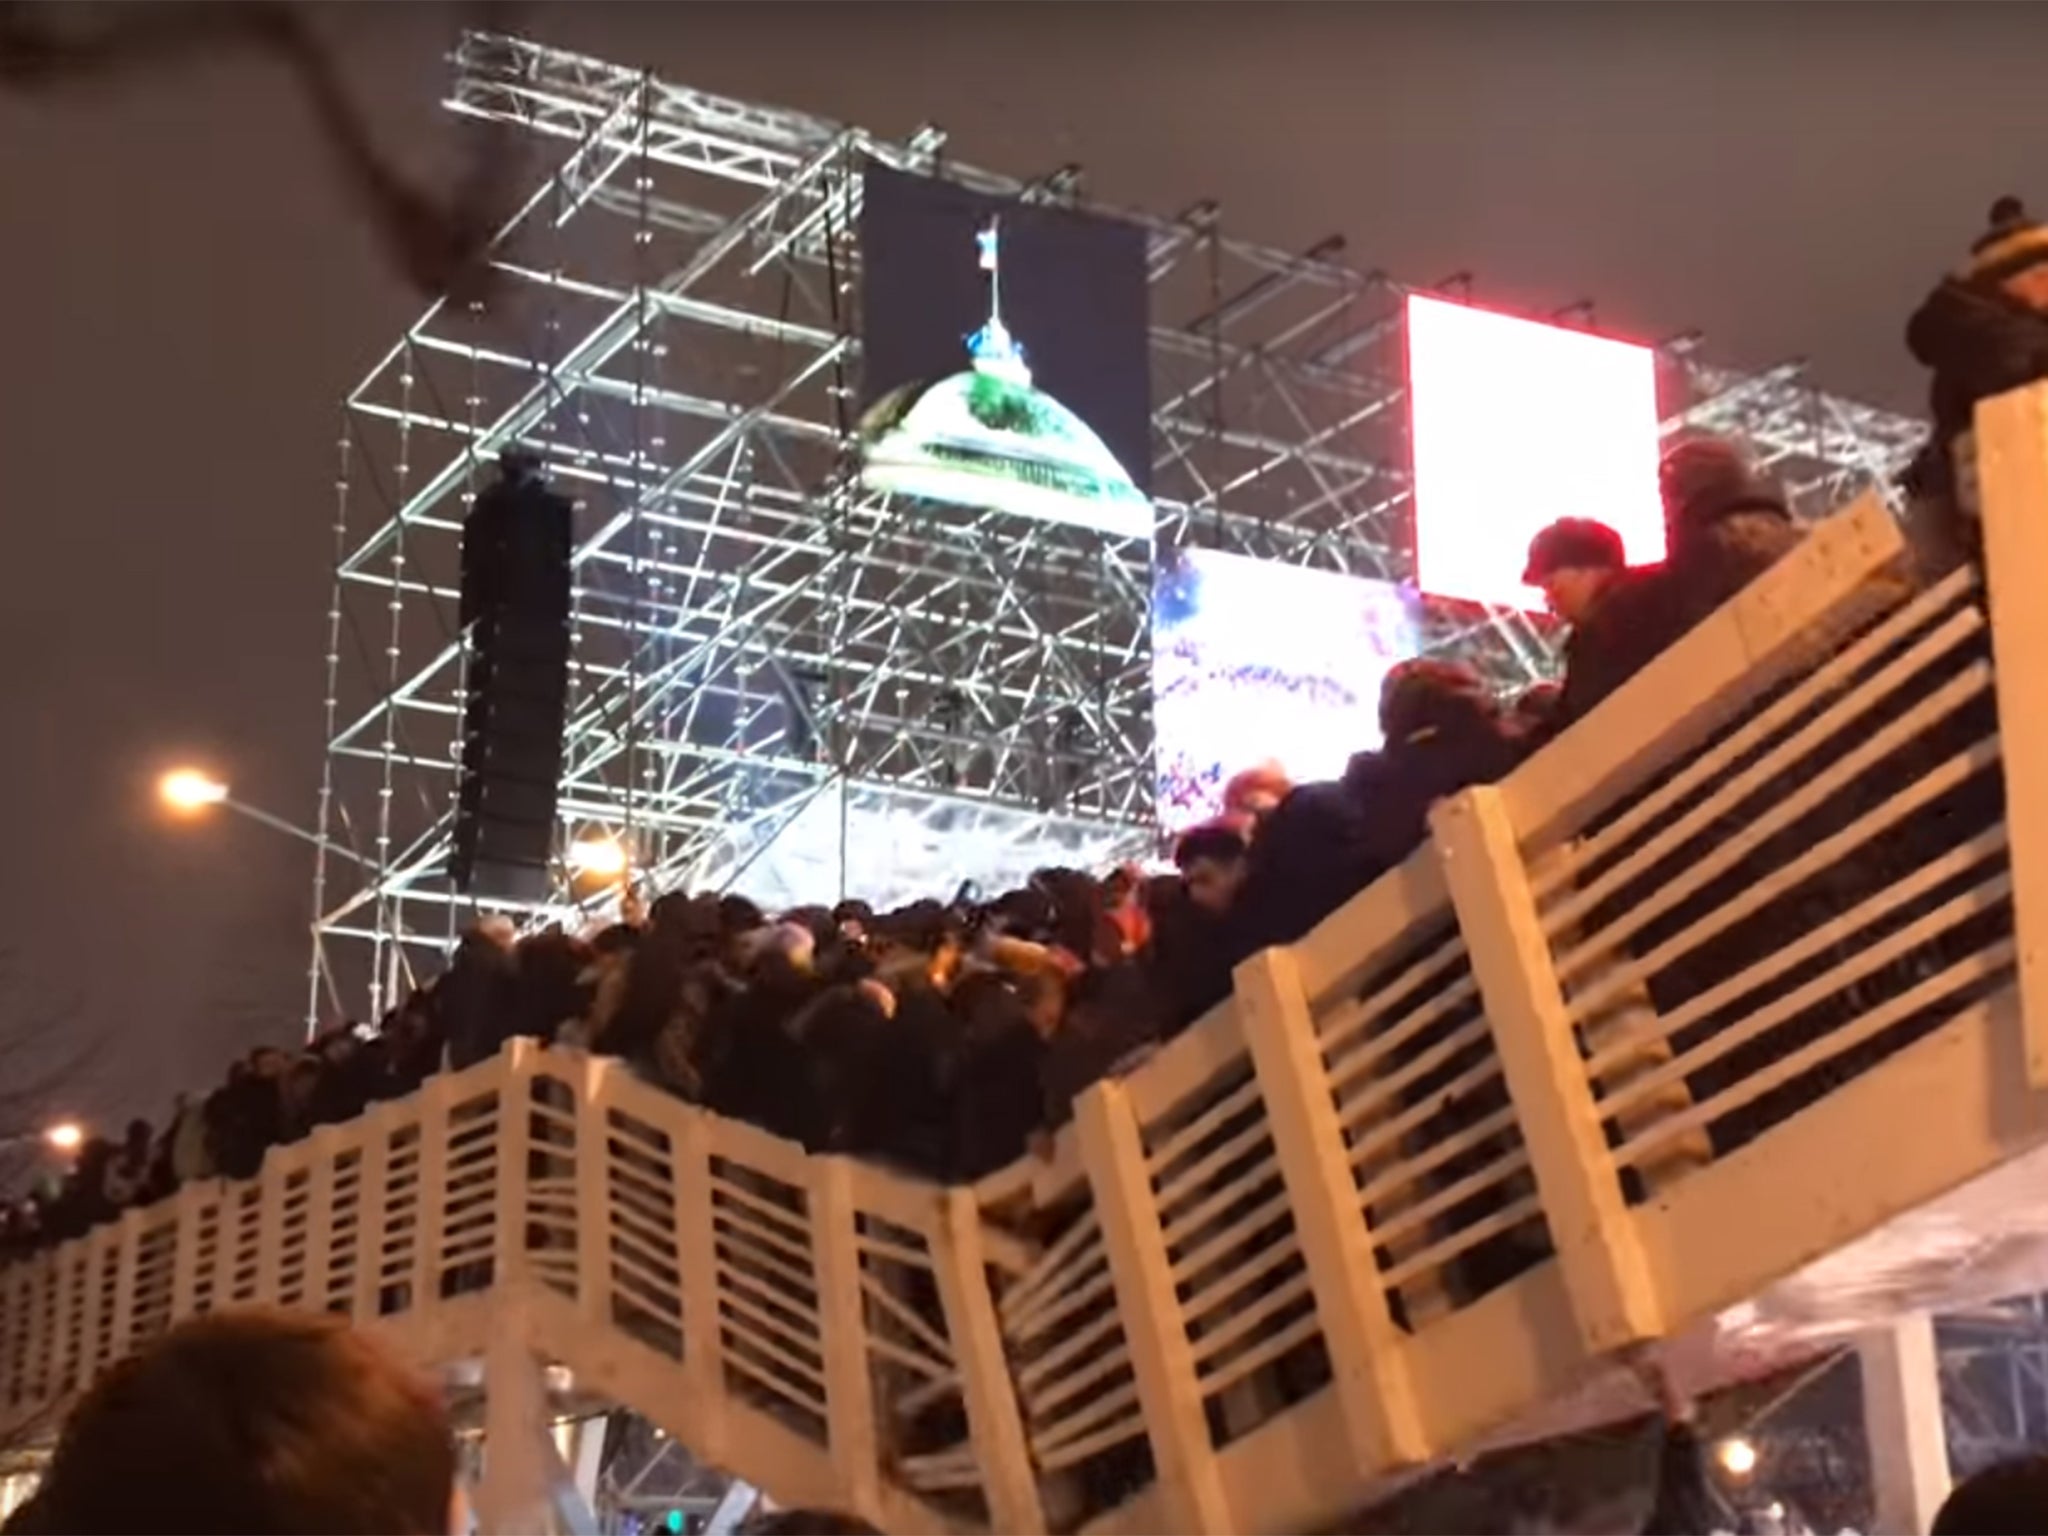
187	790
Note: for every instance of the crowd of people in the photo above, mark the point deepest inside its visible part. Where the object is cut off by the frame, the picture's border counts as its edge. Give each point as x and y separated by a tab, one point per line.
949	1039
945	1038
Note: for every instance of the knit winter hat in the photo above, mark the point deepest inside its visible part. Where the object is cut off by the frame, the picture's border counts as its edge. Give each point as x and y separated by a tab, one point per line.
1574	544
1704	479
2012	244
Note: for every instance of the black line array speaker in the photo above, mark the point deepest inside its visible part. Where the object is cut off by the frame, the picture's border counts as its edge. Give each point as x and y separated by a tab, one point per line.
515	609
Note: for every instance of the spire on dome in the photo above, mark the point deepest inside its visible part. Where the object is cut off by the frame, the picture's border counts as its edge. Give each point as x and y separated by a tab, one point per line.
993	348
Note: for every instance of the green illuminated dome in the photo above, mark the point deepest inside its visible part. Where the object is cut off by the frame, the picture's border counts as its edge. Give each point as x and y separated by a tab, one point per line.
988	438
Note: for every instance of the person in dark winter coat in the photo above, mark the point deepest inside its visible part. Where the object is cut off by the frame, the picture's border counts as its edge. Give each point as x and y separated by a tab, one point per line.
1314	852
2007	1498
551	988
342	1087
1724	525
997	1100
1189	969
1580	565
245	1118
1443	734
1981	332
479	994
1575	562
1325	843
1194	936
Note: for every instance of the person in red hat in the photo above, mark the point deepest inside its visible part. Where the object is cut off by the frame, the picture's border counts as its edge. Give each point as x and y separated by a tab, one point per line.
1252	795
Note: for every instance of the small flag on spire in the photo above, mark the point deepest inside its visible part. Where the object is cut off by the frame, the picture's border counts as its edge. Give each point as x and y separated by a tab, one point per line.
986	239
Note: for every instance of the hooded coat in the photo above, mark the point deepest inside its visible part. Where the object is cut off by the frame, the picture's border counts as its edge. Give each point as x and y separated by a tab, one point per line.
1977	343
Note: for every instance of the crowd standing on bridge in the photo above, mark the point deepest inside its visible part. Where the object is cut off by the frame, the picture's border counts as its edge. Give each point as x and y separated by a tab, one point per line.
950	1038
945	1038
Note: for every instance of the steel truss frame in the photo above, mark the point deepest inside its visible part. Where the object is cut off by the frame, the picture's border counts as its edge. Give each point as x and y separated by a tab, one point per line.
782	680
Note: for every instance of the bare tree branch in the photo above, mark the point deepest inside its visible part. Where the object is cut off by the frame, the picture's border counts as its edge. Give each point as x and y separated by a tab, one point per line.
439	245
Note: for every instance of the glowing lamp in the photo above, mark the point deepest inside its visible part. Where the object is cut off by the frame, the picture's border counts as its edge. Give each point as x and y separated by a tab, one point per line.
1515	424
65	1136
187	789
602	856
1737	1456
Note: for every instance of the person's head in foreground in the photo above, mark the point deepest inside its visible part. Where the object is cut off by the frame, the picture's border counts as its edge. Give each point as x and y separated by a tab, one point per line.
252	1422
1211	859
2009	1498
1574	561
1254	794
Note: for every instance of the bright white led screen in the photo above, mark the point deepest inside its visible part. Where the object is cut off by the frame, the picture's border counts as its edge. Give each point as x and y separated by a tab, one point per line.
1515	424
1253	660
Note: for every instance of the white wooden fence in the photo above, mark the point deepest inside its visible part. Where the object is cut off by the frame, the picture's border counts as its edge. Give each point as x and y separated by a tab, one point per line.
1726	987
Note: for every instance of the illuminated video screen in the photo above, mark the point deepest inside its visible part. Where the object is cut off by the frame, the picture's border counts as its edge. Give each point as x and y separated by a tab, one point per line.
1253	660
1515	424
1004	355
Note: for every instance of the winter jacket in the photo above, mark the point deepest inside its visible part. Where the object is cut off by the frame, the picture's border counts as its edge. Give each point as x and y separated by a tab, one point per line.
477	999
1314	853
1398	785
1635	620
1717	549
191	1158
996	1100
1978	343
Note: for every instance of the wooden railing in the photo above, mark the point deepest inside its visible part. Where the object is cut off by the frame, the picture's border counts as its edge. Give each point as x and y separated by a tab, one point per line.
1724	985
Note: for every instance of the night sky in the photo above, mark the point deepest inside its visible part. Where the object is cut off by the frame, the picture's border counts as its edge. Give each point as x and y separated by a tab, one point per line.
187	295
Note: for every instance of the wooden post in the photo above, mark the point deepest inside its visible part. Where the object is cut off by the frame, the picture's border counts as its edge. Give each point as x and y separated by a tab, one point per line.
91	1342
509	1264
1611	1288
315	1286
513	1496
431	1213
1902	1418
270	1180
372	1191
190	1202
127	1265
1162	1360
63	1307
227	1248
2012	465
849	1393
697	1265
1369	1357
593	1193
993	1418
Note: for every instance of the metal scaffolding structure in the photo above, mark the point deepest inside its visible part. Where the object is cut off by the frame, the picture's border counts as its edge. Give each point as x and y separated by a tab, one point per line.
779	679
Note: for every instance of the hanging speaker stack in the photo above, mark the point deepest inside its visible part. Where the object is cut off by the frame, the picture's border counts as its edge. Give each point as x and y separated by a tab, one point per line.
515	612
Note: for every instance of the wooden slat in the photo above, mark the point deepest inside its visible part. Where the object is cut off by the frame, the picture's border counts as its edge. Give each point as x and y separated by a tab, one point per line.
1842	771
1162	1362
1753	732
1625	975
2012	469
1769	631
1612	1291
960	1270
1869	697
